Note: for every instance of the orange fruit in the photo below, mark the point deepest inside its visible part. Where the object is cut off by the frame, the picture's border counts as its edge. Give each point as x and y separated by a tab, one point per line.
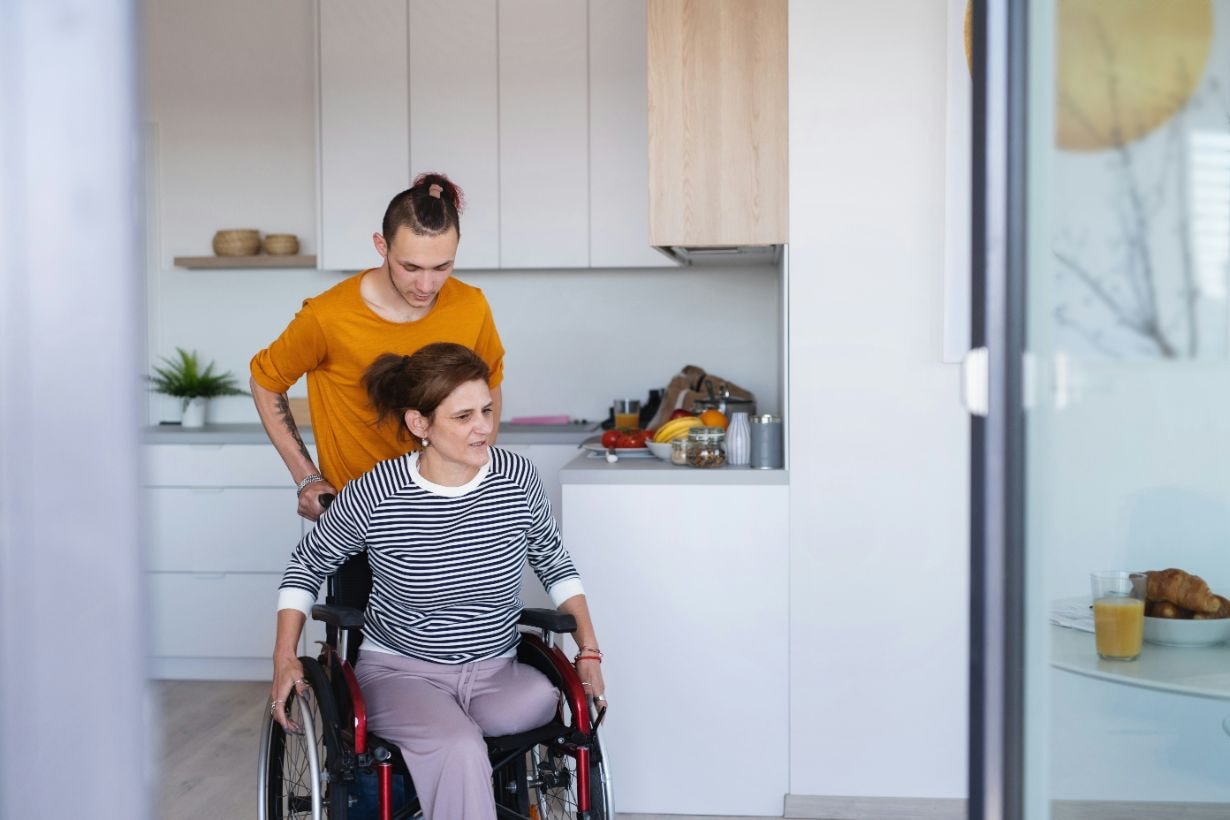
713	418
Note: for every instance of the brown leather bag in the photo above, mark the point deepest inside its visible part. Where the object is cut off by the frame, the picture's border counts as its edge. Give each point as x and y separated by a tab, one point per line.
693	384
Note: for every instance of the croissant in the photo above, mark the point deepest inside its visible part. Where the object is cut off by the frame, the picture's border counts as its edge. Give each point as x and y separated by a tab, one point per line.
1222	612
1165	609
1182	589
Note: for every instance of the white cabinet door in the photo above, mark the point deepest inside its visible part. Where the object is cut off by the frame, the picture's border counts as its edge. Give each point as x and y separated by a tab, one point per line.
219	529
364	125
220	615
688	589
454	113
544	131
619	138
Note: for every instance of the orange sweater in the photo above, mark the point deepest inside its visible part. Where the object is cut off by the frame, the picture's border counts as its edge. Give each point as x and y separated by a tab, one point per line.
336	336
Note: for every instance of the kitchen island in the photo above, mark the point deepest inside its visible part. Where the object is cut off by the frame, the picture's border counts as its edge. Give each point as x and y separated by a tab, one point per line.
686	572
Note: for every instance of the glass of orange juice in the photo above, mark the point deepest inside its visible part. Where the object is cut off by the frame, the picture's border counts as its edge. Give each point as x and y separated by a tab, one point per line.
1118	614
627	413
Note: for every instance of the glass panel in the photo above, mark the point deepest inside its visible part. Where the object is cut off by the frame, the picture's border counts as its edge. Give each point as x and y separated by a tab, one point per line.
1128	454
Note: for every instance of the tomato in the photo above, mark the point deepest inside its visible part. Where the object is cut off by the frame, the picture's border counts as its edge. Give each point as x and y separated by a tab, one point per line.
610	437
630	439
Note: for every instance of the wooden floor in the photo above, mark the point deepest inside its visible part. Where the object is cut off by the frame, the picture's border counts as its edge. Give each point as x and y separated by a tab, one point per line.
208	736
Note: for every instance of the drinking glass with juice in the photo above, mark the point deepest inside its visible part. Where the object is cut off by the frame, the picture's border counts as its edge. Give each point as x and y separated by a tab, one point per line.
1118	614
627	413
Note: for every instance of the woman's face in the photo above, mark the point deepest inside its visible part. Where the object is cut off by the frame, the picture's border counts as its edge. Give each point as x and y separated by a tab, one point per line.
419	265
460	427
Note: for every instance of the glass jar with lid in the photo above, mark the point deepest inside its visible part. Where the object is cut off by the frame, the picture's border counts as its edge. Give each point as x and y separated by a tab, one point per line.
705	447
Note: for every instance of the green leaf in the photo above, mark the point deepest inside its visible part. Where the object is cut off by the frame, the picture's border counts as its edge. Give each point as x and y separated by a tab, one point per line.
184	378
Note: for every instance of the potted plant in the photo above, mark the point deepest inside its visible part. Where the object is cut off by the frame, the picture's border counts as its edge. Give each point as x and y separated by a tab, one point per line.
185	379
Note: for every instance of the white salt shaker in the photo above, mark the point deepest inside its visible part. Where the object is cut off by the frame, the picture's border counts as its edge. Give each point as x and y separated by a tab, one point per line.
738	441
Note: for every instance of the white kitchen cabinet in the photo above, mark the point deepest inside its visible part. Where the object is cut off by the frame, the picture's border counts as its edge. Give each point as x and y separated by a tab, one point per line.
364	125
536	108
687	586
544	130
619	138
221	524
221	529
454	106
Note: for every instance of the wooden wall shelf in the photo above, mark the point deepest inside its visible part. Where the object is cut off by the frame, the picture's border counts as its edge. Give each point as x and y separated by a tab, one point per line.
258	261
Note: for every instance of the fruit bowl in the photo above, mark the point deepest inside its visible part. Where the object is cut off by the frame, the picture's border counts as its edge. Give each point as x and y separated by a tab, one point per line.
661	449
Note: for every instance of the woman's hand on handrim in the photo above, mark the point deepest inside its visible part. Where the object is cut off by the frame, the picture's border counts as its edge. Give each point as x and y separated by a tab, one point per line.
287	675
589	670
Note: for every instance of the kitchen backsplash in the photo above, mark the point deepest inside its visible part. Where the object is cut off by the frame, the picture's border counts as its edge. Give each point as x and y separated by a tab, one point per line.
574	339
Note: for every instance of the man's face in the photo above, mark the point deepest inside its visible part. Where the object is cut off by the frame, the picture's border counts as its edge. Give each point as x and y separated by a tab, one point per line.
419	265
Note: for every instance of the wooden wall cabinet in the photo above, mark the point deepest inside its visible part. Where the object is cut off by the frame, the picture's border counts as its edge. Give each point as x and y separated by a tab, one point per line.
717	122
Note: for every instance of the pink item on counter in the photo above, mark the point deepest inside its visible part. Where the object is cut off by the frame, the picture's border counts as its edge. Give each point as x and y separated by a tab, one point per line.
540	420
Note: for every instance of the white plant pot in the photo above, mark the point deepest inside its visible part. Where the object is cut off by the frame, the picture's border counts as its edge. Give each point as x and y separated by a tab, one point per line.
194	412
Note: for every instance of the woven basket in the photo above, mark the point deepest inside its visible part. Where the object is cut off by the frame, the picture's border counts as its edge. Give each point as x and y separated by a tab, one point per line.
237	243
281	244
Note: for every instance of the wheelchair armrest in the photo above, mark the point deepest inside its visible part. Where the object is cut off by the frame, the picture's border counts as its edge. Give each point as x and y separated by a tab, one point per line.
343	617
551	620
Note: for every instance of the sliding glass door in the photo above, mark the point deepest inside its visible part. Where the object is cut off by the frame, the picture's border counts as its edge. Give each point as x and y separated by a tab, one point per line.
1101	255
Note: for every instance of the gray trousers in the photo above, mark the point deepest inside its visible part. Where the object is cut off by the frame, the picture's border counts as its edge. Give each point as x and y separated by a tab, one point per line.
437	714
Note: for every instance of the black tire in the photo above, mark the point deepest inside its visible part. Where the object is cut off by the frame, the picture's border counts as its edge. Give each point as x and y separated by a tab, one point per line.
299	769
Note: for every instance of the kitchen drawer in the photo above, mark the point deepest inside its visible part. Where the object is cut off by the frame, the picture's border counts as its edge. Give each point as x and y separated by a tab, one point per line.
215	465
213	615
221	529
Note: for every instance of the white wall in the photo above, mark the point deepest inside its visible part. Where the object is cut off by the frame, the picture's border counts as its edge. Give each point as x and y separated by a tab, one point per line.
231	98
879	442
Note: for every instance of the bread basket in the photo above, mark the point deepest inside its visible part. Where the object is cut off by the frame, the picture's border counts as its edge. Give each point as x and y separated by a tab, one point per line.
281	244
238	242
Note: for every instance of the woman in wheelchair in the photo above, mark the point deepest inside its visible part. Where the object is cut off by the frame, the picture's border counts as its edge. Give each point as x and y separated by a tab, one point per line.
446	529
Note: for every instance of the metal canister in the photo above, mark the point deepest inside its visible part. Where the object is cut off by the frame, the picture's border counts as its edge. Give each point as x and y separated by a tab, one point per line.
766	443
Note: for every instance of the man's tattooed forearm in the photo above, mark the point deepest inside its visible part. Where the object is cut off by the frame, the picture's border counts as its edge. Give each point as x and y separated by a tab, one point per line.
283	406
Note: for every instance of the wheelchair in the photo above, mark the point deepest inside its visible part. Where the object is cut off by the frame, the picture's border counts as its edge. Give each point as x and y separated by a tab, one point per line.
556	771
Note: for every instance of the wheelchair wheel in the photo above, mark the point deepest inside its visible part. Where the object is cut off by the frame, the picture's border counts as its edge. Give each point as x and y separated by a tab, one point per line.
552	780
551	776
301	773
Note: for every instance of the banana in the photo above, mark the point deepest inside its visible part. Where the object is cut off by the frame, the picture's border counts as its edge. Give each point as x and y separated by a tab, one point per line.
676	428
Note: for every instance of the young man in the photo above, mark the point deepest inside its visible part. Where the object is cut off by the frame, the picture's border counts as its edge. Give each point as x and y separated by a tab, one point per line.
408	302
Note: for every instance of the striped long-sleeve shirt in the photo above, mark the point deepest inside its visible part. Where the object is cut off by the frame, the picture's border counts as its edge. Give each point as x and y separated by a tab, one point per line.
446	561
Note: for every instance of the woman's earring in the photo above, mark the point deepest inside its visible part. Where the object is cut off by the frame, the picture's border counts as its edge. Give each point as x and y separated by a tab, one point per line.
426	442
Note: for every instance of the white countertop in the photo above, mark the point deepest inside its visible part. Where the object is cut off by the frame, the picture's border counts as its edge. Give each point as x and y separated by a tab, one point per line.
510	434
1203	671
592	468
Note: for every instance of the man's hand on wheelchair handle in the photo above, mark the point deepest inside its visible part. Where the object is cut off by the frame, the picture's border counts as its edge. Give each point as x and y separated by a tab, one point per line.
310	505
